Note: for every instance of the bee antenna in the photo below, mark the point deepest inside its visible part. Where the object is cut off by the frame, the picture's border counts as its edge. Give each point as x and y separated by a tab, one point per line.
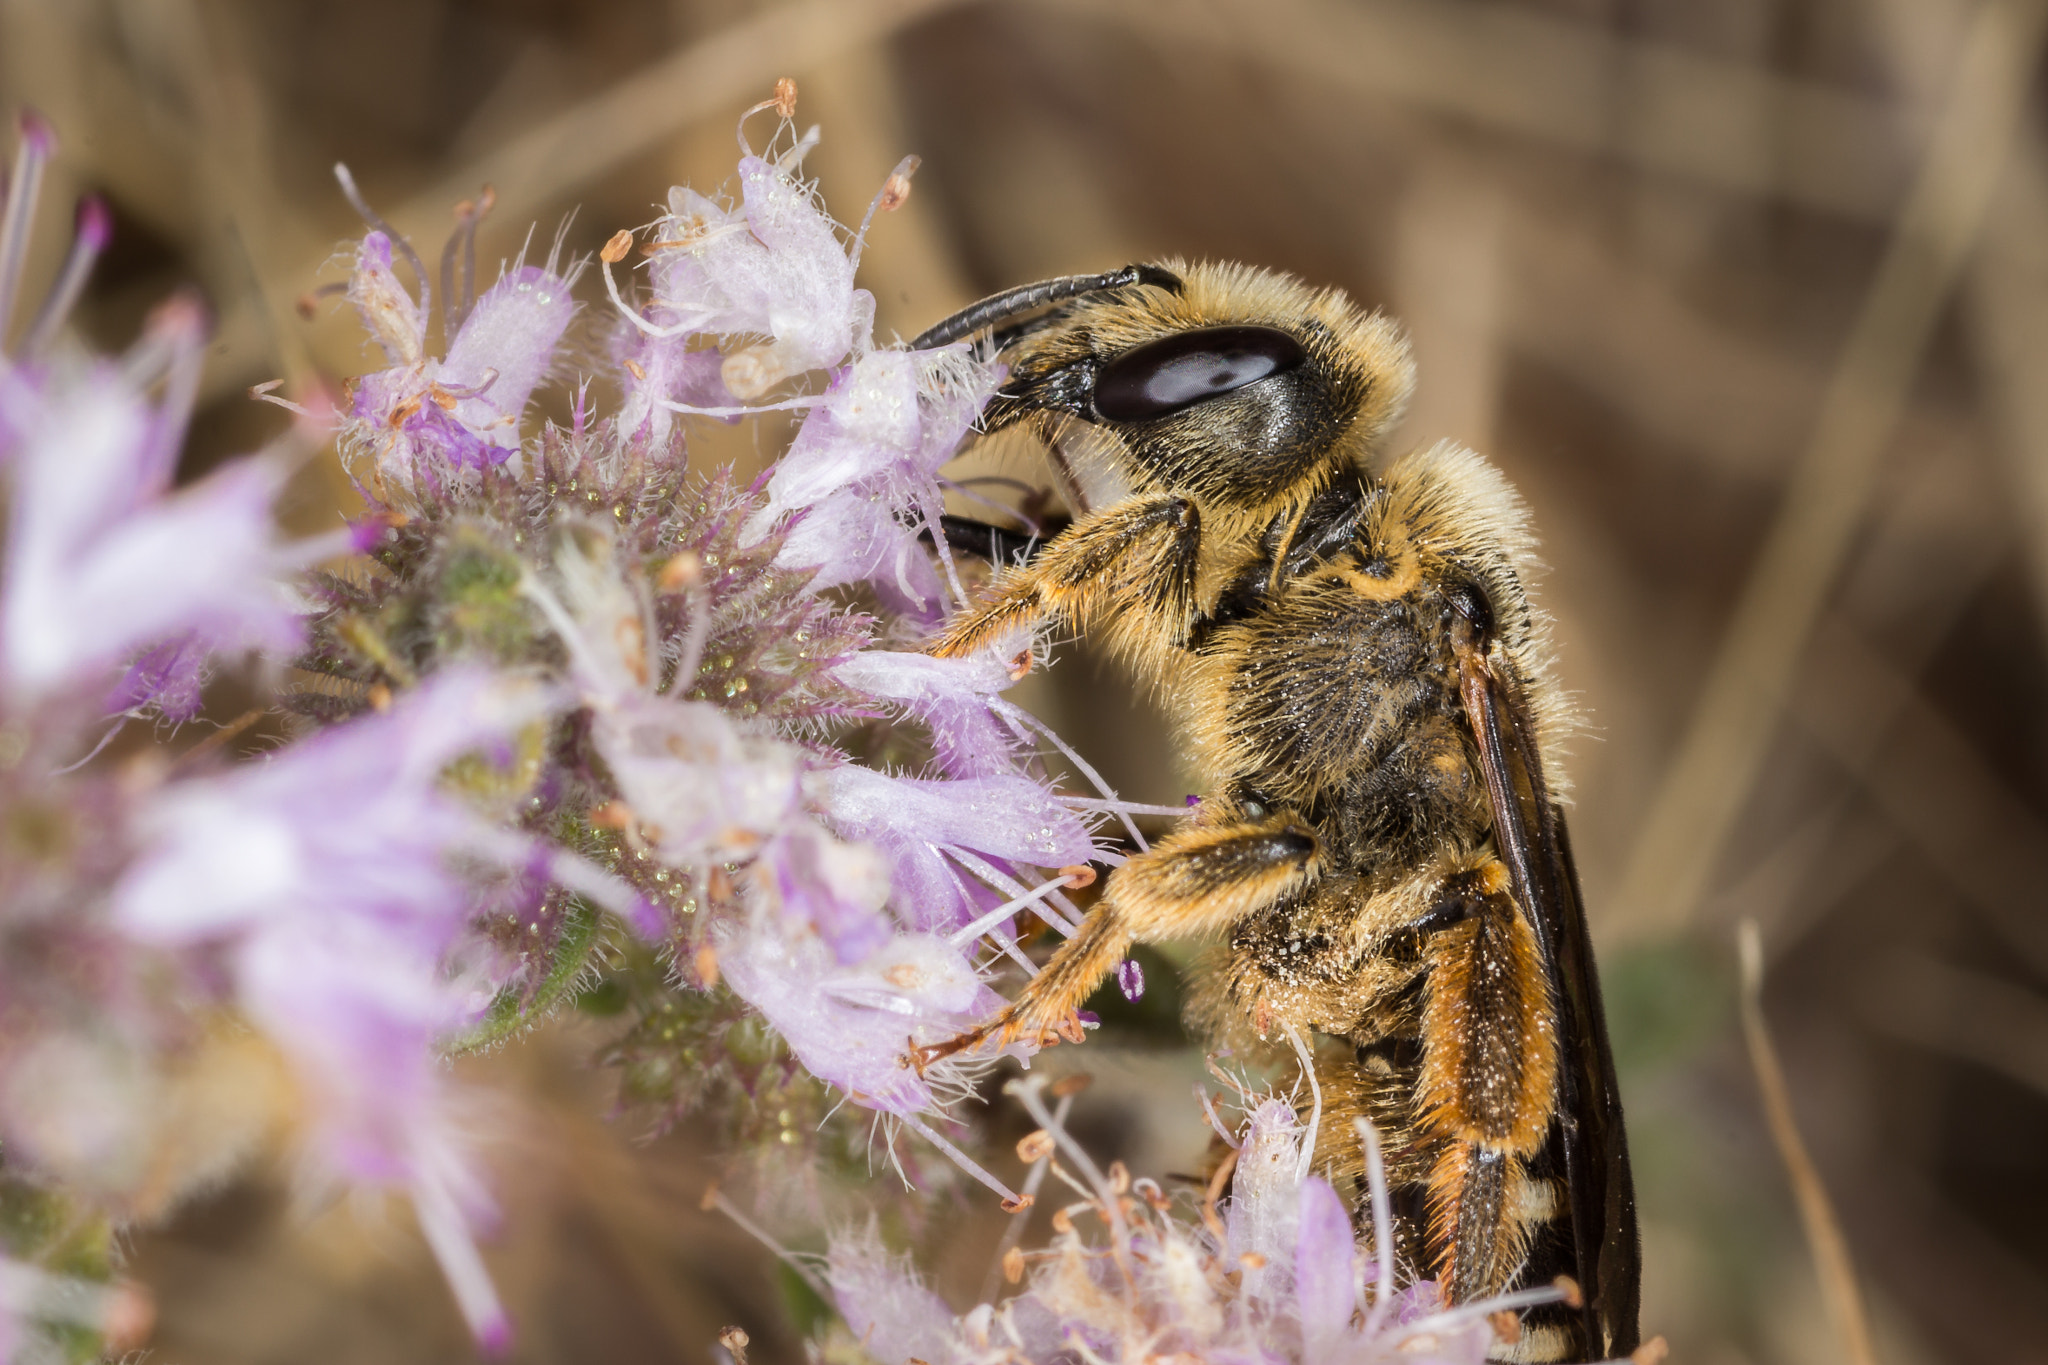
998	308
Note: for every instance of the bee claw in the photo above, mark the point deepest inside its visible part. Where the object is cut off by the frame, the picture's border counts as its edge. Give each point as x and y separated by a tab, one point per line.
1005	1029
922	1056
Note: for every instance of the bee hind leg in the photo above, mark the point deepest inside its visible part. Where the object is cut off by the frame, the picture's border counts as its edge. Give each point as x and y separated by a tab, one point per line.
1197	880
1488	1083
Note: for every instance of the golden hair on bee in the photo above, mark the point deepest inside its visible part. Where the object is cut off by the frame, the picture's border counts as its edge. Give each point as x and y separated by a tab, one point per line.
1366	692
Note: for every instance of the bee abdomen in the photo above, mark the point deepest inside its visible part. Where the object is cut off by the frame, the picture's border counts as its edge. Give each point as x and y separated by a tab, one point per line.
1550	1332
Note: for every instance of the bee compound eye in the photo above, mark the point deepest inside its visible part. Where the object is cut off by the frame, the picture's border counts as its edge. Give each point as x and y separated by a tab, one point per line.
1175	372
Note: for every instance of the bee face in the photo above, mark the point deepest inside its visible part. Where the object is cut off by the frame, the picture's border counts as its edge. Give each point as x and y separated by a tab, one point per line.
1242	386
1364	684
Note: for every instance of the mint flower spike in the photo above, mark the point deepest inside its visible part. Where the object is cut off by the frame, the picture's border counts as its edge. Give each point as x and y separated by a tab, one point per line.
333	881
1277	1279
424	418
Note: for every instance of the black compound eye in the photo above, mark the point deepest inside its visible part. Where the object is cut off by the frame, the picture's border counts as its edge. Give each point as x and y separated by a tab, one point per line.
1179	371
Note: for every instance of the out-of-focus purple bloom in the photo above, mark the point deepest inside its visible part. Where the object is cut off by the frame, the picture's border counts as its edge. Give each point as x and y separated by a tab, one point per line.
330	878
1325	1258
102	562
424	417
891	1314
167	677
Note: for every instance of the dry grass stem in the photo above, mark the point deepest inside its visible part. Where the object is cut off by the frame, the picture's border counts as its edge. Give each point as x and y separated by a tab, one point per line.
1823	1234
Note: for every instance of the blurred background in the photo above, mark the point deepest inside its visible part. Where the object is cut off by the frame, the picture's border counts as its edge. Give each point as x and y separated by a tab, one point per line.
1750	299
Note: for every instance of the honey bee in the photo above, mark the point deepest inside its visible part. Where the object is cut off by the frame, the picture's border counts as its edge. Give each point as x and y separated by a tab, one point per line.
1365	688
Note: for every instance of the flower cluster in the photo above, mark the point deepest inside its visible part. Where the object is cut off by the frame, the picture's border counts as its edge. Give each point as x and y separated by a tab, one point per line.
707	645
557	718
1272	1275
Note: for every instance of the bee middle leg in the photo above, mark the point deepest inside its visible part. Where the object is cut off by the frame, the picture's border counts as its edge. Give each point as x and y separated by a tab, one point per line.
1487	1090
1136	556
1195	881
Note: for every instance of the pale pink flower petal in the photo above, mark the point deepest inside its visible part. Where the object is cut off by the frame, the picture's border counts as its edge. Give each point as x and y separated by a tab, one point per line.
919	821
852	1027
503	348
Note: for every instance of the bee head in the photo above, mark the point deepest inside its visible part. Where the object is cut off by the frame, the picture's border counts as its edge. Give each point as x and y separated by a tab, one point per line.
1242	386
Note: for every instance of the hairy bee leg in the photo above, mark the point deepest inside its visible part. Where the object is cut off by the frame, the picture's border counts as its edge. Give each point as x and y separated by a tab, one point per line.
1488	1081
1192	882
1137	556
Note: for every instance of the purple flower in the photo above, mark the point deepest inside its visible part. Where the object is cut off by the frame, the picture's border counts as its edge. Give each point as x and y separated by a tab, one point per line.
103	563
926	826
660	374
703	788
951	696
330	879
852	1025
863	471
835	888
423	418
861	477
772	266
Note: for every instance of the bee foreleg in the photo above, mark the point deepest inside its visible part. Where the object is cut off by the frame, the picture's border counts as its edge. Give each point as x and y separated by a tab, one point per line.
1136	556
1489	1078
1195	881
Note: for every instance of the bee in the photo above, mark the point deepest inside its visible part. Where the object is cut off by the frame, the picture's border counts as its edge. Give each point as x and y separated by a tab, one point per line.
1365	687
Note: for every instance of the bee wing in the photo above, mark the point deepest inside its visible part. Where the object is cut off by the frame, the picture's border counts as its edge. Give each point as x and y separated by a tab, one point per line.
1533	842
